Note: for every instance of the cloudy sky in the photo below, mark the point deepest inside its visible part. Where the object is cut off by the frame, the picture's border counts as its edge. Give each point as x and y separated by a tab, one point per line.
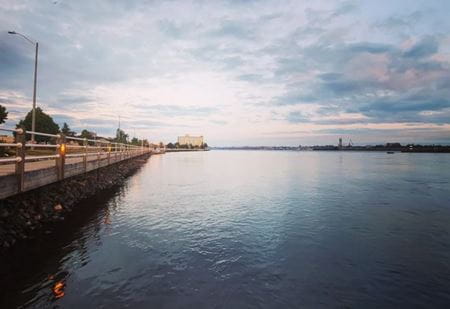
237	72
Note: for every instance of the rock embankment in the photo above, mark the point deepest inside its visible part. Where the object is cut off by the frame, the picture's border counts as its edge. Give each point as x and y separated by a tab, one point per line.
24	215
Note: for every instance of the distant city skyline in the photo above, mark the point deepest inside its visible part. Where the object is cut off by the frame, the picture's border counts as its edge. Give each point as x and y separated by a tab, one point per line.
238	73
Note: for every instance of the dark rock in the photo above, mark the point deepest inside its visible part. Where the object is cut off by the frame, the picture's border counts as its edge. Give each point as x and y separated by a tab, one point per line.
22	215
4	213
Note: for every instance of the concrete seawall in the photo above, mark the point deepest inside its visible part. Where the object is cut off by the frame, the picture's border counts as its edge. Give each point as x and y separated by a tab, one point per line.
22	216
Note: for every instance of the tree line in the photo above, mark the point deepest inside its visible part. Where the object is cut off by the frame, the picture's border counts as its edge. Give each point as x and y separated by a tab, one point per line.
186	146
46	124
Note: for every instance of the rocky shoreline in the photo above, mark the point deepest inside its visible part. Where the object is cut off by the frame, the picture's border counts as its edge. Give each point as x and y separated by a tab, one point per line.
25	215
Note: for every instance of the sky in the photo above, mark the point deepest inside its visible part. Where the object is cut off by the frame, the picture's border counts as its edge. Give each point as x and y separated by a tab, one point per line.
254	72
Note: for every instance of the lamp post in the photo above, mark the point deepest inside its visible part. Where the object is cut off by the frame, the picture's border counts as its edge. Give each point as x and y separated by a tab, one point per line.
33	117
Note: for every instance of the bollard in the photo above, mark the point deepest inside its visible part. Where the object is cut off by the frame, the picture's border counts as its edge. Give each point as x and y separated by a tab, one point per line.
61	159
20	156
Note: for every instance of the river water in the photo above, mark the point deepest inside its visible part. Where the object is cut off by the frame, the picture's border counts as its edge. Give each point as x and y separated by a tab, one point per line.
251	229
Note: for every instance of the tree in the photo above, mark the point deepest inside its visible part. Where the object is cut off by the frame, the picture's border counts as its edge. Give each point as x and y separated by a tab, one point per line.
205	145
121	136
135	141
3	114
44	124
66	130
170	146
87	134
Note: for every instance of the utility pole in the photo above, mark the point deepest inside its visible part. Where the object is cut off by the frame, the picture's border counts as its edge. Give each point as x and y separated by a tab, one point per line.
33	115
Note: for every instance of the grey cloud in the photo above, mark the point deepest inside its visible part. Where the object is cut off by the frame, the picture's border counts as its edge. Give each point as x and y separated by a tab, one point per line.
425	47
370	47
234	29
359	93
170	29
322	60
61	118
400	21
16	61
297	117
345	7
175	110
295	97
251	77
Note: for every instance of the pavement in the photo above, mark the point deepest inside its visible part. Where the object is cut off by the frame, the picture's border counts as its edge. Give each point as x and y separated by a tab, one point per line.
9	168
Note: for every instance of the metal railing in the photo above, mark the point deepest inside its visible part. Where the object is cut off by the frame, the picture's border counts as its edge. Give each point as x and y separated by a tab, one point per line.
62	148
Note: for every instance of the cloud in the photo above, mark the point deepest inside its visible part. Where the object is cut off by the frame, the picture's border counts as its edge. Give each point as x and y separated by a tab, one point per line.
297	117
425	47
233	29
232	70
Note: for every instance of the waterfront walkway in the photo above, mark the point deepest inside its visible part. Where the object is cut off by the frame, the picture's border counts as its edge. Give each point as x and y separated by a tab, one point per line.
9	169
63	157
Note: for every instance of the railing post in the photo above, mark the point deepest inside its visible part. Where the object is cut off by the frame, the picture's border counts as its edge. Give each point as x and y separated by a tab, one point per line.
109	154
85	155
61	159
98	157
20	156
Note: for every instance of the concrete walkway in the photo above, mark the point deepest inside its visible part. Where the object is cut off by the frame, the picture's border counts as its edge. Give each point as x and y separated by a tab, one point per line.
9	168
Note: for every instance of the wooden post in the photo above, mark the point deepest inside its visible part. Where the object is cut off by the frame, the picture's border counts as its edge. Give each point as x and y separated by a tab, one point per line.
85	144
98	157
20	155
109	154
61	159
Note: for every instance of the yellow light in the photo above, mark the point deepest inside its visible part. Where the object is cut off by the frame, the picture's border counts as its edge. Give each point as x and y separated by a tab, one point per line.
62	149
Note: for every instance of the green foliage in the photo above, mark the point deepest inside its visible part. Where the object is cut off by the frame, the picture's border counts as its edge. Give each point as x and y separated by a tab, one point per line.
44	124
3	114
121	136
87	134
170	146
135	141
67	131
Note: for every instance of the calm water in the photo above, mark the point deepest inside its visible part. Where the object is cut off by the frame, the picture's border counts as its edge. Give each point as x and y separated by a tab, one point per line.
253	229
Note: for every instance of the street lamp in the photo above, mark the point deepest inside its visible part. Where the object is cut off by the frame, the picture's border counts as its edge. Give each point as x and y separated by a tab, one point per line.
33	117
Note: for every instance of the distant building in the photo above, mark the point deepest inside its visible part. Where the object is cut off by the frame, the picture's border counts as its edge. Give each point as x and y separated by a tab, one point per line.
190	140
340	143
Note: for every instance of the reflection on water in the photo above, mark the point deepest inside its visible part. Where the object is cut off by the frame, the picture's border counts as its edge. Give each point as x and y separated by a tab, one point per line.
250	229
58	289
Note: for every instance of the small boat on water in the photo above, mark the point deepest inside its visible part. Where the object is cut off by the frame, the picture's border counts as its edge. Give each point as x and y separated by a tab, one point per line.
390	152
